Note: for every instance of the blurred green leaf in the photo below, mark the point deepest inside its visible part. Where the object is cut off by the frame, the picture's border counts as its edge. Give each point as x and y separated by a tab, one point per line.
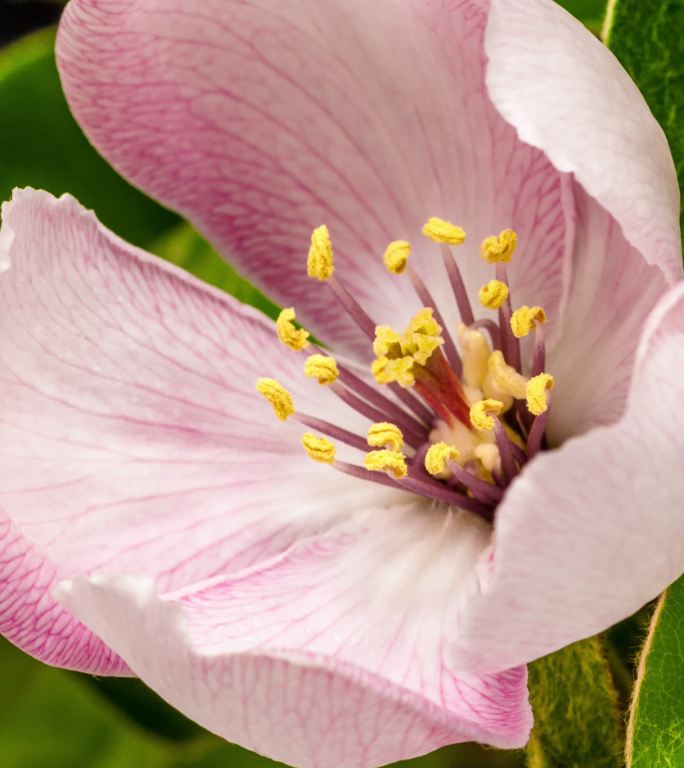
590	12
648	38
42	146
655	734
577	718
187	249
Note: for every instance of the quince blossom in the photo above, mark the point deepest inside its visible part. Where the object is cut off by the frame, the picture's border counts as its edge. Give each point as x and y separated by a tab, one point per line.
156	519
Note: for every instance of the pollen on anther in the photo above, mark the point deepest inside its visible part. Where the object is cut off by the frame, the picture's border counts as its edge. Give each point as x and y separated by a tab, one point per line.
441	231
493	294
322	368
277	396
291	336
392	462
318	448
437	457
525	319
320	261
537	388
499	248
480	412
385	435
396	256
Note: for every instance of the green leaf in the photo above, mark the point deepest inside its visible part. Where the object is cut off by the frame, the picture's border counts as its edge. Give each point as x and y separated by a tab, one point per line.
647	37
184	247
42	146
655	733
590	12
577	718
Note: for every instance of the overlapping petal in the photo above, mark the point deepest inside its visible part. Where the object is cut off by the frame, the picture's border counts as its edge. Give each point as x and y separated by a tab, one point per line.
590	532
131	437
260	122
333	654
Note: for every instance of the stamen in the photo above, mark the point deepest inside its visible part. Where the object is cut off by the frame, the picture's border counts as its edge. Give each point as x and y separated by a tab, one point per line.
320	261
480	412
476	352
526	319
337	433
322	368
481	489
318	448
506	451
499	249
539	356
437	457
510	345
277	396
288	334
383	434
537	388
458	286
442	231
493	294
396	256
392	462
503	381
534	440
492	329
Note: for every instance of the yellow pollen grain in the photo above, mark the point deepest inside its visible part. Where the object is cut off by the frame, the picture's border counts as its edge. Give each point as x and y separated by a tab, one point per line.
277	396
442	231
385	435
480	413
499	248
423	336
525	319
505	378
494	294
396	256
392	462
322	368
320	262
437	457
537	388
399	370
288	333
318	448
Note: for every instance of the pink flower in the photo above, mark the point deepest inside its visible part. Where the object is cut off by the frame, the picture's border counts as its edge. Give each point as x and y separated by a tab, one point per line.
156	518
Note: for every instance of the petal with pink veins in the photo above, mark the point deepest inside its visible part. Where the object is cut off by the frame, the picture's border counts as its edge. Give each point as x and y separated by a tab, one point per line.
567	94
335	653
131	434
261	122
591	531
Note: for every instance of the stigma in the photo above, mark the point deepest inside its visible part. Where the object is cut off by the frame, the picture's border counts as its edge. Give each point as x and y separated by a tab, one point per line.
453	414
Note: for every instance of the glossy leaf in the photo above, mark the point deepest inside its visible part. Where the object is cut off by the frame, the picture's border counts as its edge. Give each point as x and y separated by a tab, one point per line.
575	704
655	734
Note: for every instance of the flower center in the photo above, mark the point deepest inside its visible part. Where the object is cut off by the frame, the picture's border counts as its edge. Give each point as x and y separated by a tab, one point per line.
452	418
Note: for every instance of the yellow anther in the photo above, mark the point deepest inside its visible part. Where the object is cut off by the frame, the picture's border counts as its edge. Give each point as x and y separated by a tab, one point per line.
387	342
504	378
392	462
495	249
399	370
525	319
442	231
320	262
322	368
475	351
277	396
480	412
318	448
288	333
537	387
437	457
385	435
494	294
422	337
396	256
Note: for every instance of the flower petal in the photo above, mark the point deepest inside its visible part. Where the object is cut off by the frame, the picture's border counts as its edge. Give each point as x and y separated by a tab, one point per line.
261	123
131	434
332	654
610	293
591	531
567	94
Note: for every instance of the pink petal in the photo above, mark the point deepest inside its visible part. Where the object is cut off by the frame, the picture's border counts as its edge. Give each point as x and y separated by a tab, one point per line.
610	293
131	434
566	93
591	531
331	655
260	123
